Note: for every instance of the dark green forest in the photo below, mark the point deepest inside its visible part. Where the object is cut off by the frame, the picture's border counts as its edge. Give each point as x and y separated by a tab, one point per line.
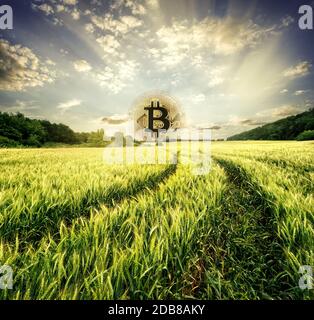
299	127
16	130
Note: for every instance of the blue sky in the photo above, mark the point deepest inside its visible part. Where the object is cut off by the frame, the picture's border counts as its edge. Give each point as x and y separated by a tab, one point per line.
233	65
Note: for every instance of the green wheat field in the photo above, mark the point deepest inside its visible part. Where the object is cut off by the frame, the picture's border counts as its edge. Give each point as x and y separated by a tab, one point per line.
73	227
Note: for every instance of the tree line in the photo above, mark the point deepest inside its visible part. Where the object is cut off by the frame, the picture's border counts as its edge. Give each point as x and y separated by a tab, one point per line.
17	130
299	127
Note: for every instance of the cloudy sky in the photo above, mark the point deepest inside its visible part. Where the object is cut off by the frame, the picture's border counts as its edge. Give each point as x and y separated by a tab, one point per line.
233	65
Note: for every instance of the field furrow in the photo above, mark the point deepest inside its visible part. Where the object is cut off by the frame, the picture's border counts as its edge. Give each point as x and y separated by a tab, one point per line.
292	213
34	201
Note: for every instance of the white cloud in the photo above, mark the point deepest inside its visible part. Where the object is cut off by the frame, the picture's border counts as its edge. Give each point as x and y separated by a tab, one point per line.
69	104
153	4
21	68
117	26
215	81
300	92
82	66
221	36
244	122
118	76
75	14
194	43
46	8
89	28
299	70
130	22
63	51
116	119
136	8
284	91
287	21
216	76
197	60
60	8
50	62
285	111
20	106
197	98
109	44
69	2
206	125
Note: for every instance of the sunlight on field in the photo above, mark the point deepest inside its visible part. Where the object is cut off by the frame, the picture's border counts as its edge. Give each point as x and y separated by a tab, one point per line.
73	227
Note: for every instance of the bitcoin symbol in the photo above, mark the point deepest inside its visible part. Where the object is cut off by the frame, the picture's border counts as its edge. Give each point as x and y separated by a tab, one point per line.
162	117
155	115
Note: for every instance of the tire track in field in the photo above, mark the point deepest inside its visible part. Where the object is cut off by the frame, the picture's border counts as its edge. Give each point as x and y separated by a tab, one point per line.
245	248
281	163
113	197
306	180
